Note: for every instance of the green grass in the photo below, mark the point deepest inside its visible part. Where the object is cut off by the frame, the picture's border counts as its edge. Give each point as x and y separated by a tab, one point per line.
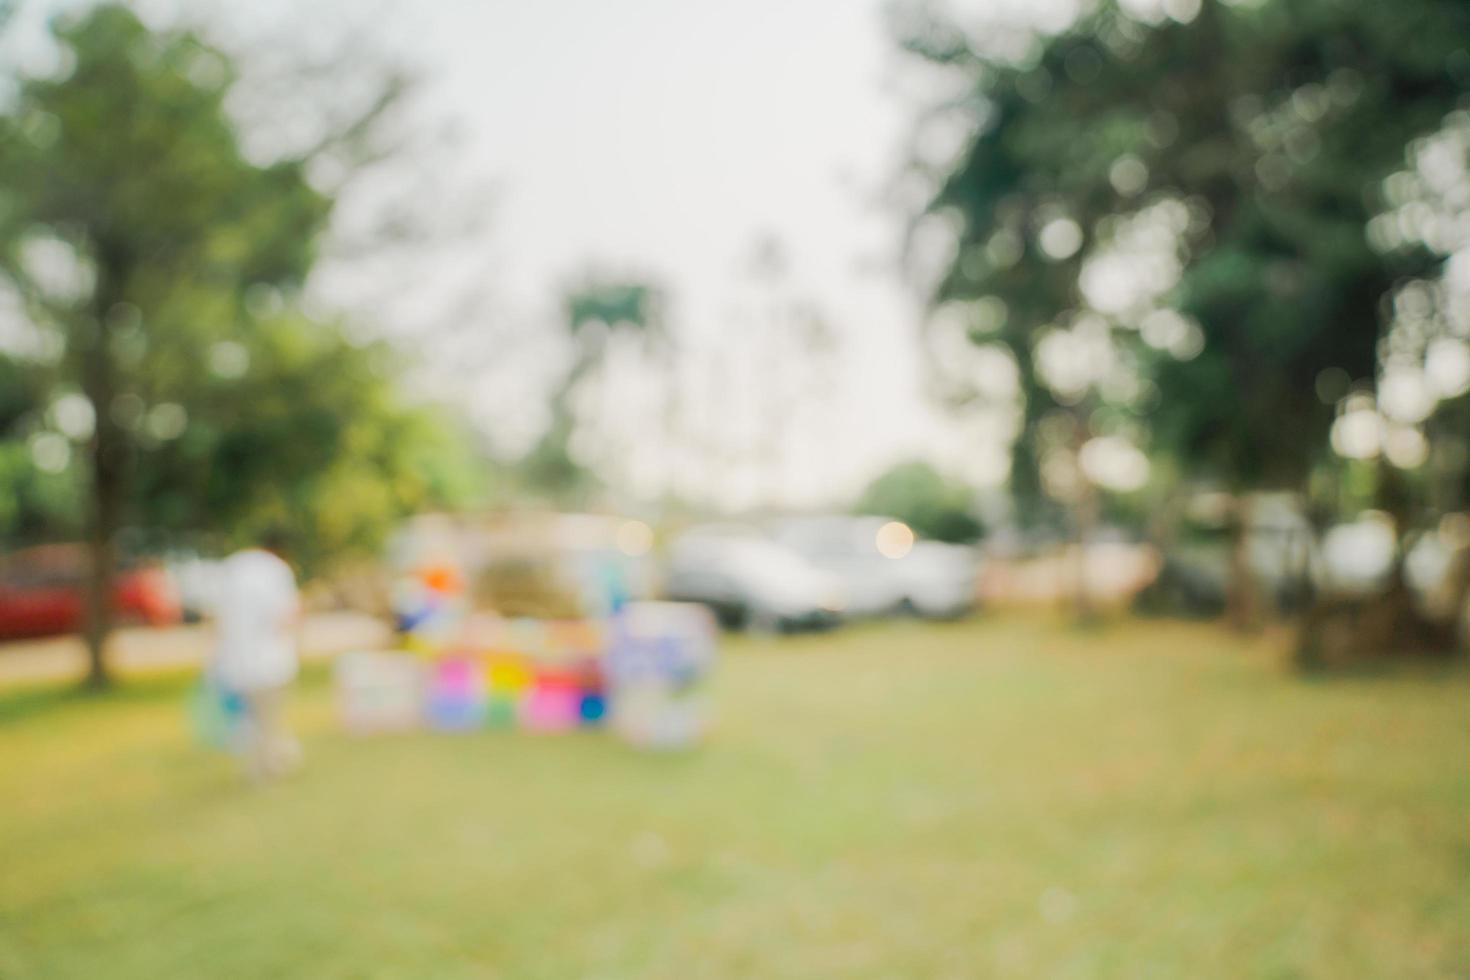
999	798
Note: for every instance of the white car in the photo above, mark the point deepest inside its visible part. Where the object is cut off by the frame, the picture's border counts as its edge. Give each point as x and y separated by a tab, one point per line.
751	581
884	568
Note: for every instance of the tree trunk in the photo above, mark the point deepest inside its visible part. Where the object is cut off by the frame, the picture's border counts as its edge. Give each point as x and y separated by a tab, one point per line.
101	562
1351	631
1085	513
108	459
1242	608
1455	597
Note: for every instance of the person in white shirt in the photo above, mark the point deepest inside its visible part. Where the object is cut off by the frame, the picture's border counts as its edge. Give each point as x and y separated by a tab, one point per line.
255	652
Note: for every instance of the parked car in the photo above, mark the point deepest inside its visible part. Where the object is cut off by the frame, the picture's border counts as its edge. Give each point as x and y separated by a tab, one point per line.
883	568
748	580
43	592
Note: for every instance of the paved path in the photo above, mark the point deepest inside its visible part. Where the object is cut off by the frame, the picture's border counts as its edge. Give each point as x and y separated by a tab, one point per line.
135	651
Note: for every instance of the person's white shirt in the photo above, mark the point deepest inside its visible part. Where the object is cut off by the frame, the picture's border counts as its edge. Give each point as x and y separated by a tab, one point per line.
257	603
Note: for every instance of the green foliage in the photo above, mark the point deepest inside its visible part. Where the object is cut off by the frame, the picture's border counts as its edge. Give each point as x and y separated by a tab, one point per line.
549	469
617	304
1275	125
36	505
922	498
593	311
314	438
218	409
132	159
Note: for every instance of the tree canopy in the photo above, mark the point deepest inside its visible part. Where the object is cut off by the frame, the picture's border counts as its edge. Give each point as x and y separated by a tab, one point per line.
152	270
920	496
1173	216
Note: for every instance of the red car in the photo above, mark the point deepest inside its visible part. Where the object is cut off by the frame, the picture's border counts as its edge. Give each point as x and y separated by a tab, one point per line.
43	592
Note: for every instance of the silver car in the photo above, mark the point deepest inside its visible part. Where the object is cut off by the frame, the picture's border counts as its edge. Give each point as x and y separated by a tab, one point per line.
750	581
883	567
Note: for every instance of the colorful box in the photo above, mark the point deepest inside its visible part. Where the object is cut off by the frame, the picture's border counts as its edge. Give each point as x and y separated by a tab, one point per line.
642	670
378	692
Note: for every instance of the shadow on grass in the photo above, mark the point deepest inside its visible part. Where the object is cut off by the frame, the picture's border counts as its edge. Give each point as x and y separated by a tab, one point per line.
23	702
1432	667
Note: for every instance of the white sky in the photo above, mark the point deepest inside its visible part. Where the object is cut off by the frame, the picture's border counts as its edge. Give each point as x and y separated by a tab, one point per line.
663	138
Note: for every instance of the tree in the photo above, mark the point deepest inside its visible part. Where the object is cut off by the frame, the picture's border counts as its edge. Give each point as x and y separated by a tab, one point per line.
312	438
593	313
917	494
140	241
1253	140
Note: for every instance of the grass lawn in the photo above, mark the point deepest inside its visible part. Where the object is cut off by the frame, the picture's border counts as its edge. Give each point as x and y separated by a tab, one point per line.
998	798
